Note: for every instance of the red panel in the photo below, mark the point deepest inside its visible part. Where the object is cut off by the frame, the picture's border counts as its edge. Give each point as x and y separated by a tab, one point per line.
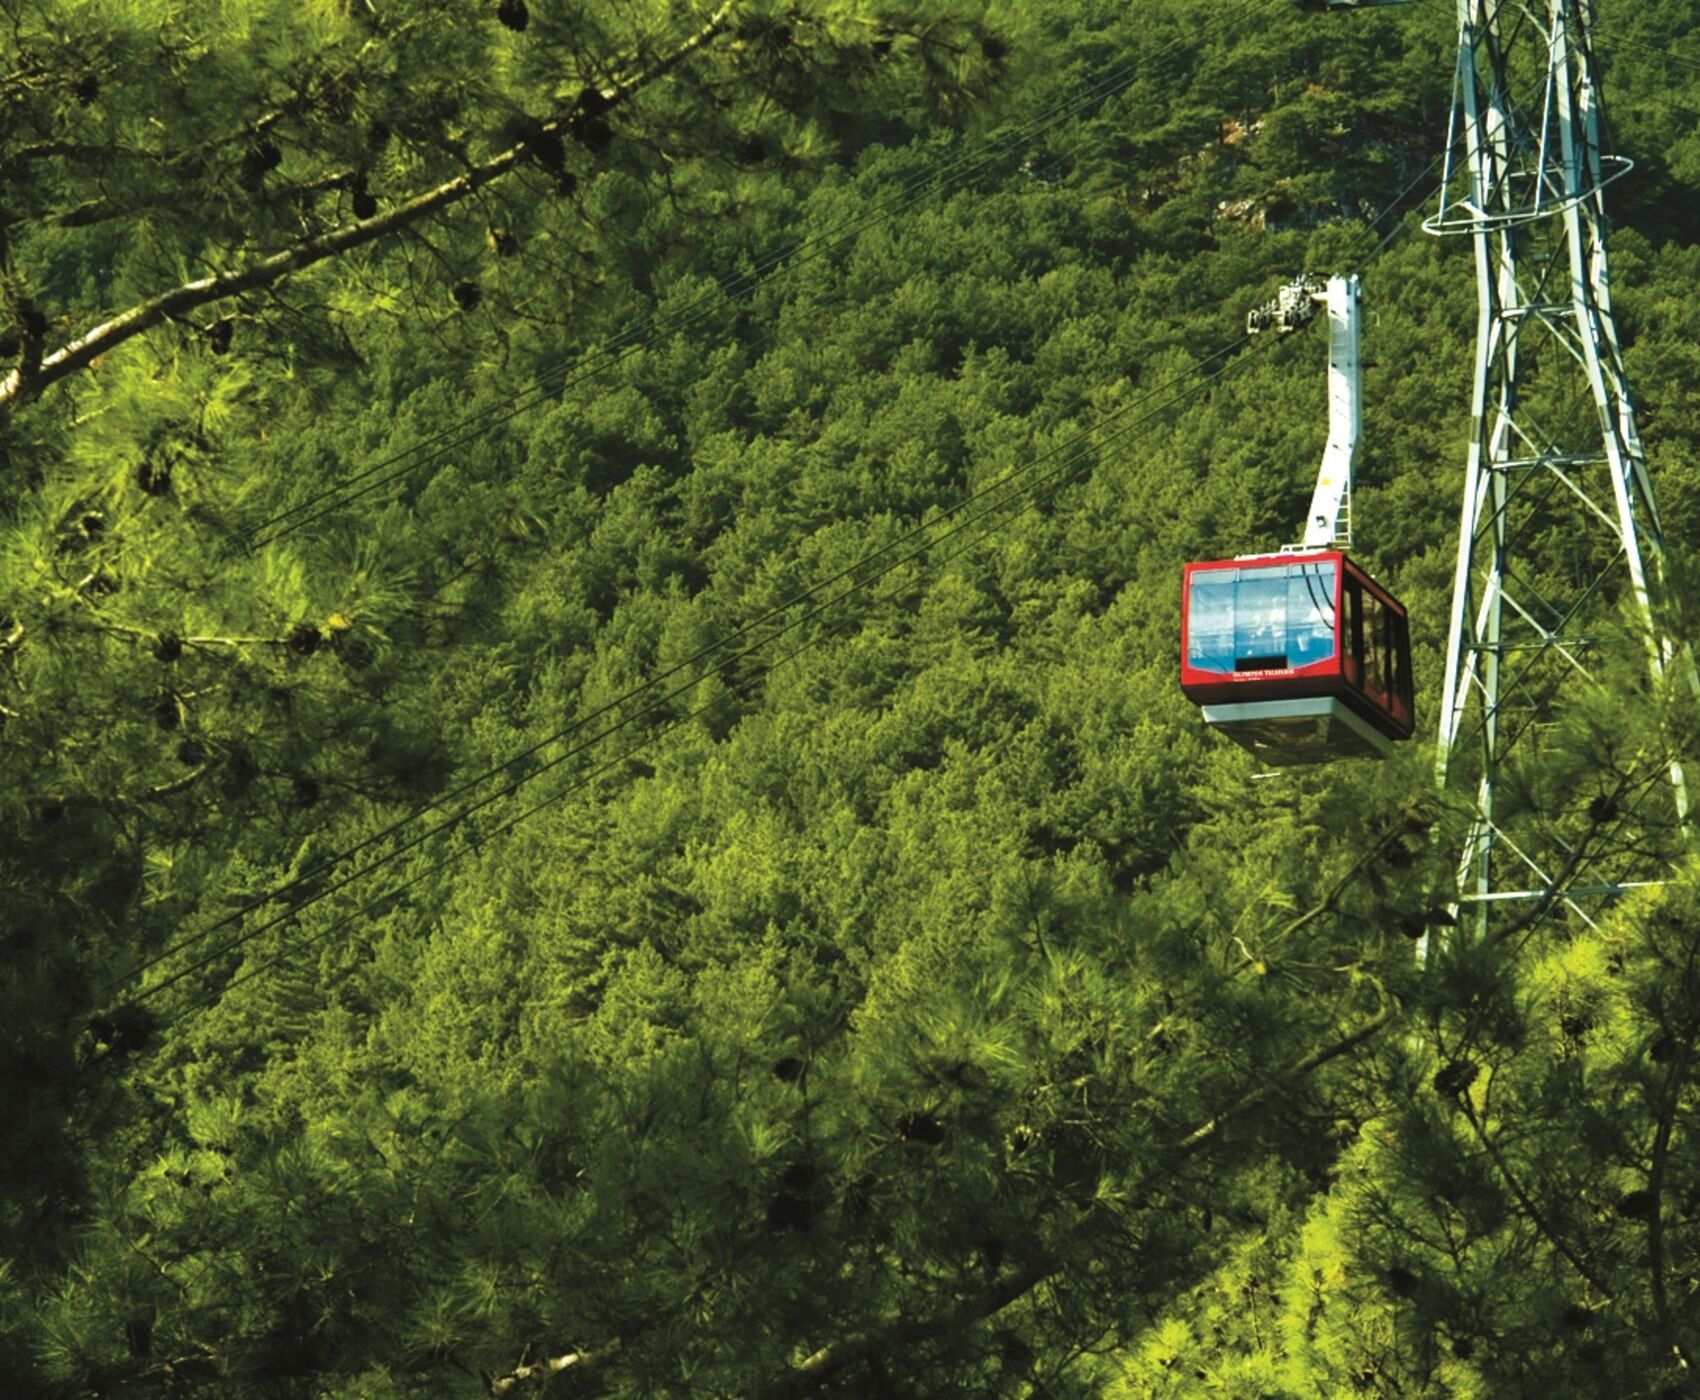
1336	676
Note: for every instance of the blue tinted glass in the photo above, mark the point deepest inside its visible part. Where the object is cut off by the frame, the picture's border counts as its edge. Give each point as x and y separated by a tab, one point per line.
1210	620
1267	618
1260	617
1310	613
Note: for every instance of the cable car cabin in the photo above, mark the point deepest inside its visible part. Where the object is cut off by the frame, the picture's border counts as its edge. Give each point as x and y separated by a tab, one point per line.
1300	658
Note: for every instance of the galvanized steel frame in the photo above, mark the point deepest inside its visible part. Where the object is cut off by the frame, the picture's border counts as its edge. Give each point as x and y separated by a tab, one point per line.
1529	193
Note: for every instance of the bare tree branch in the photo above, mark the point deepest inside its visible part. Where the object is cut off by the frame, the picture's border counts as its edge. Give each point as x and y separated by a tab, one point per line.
544	1371
29	378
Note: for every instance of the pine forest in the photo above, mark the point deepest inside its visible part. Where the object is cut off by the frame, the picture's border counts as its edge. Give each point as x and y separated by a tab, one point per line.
595	798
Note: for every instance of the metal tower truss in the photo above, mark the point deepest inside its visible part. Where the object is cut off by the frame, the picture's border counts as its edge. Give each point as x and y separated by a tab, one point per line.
1559	541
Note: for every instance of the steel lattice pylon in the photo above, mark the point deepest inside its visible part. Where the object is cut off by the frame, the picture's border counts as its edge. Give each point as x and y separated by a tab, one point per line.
1558	513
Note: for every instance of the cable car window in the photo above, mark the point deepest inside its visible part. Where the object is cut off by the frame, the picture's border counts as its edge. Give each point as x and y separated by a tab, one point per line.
1352	643
1260	621
1310	613
1401	669
1378	678
1268	637
1210	620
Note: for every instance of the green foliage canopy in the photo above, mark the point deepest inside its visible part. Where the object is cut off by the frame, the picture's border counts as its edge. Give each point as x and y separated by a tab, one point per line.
917	1004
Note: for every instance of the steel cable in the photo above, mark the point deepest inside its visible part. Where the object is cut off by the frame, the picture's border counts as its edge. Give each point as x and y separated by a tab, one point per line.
1073	443
1057	475
643	336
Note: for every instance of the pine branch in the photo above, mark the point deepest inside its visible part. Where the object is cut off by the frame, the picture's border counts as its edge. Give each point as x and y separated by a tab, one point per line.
1255	1097
1536	1216
27	380
1675	1083
1330	901
96	211
1582	851
836	1357
1656	1263
870	1343
542	1372
169	789
81	150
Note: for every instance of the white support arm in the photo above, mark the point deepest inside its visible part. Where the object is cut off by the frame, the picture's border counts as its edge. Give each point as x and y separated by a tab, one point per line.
1329	520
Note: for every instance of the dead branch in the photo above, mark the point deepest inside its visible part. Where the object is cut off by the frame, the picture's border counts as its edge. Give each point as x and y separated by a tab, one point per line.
542	1372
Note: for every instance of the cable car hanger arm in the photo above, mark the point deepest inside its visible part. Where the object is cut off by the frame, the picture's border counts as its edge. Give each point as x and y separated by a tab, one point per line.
1328	523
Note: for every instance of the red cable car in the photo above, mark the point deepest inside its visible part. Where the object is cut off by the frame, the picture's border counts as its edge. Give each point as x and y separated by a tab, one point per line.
1301	656
1298	657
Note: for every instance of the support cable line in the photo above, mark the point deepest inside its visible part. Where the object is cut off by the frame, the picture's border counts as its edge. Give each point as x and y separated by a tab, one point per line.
1004	483
330	862
1618	41
764	270
1084	455
1399	226
321	867
1120	77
